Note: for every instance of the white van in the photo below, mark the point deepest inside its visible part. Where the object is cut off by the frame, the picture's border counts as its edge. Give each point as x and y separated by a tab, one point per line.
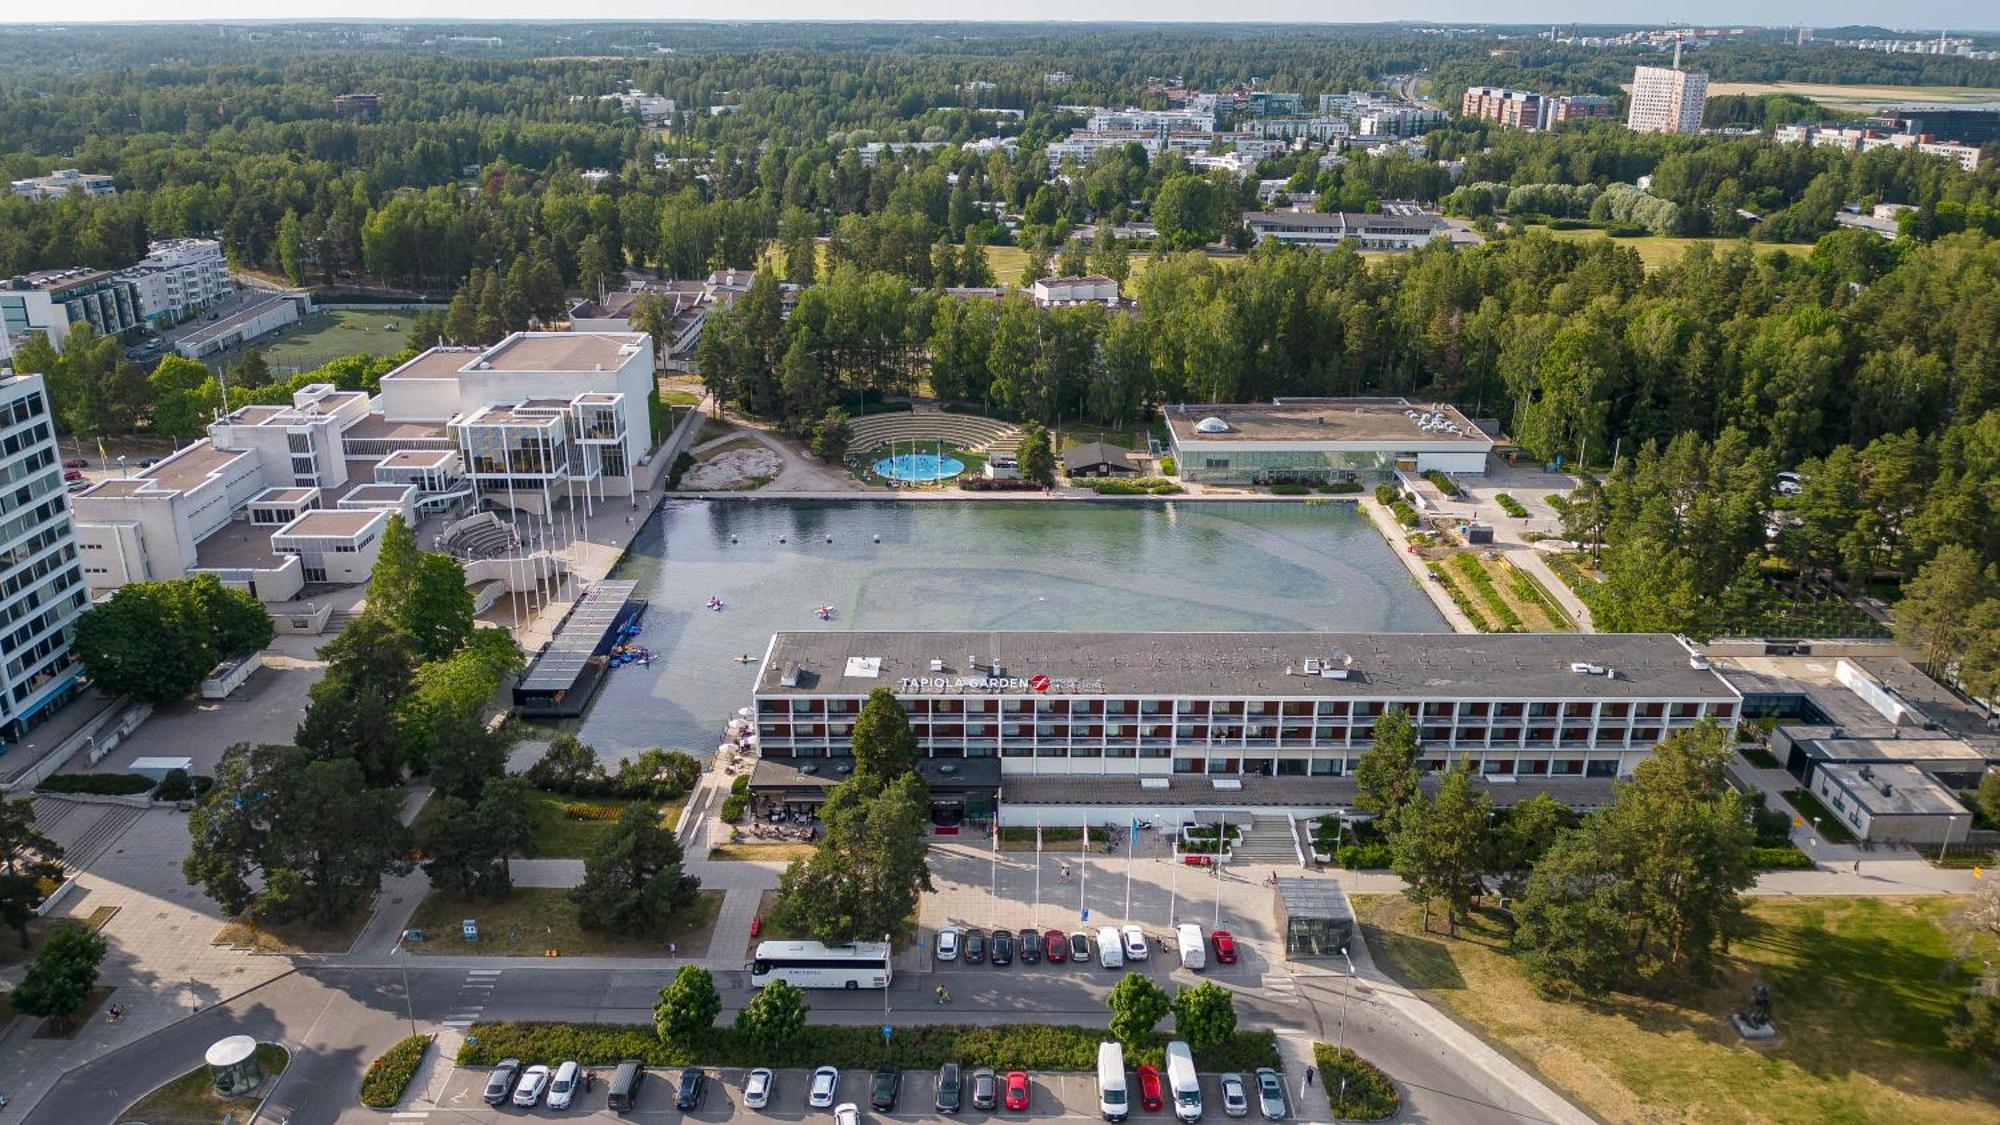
1112	1100
1182	1085
1194	951
1110	954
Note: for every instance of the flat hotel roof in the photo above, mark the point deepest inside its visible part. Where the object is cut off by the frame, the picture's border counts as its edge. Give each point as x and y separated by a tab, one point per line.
1316	421
331	523
1382	665
191	466
560	351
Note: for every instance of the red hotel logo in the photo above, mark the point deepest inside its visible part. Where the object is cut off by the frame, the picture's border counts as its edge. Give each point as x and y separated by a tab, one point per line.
1038	682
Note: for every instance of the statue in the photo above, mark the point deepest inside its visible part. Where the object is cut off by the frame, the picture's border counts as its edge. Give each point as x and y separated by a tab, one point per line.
1755	1022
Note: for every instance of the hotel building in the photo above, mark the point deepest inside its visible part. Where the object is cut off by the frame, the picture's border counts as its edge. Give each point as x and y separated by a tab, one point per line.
41	583
1321	440
1234	705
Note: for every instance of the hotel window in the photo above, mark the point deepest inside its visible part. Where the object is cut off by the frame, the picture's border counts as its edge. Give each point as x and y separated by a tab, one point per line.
1611	734
1497	766
1652	710
1430	765
1566	767
1508	710
1437	710
1187	765
1086	752
1222	765
1472	734
1601	767
1614	710
1437	734
1154	751
1473	710
1723	710
1052	752
1535	766
1017	750
1686	710
1543	710
1334	710
1506	734
1327	767
1541	736
1112	751
1291	767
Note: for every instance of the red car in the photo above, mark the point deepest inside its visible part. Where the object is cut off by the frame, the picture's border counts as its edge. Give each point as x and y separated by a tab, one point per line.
1149	1088
1055	947
1225	947
72	475
1017	1090
76	463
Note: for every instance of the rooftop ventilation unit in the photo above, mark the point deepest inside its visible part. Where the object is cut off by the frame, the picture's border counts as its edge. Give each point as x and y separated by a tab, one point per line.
937	665
1227	784
1698	663
1313	666
1583	668
1152	783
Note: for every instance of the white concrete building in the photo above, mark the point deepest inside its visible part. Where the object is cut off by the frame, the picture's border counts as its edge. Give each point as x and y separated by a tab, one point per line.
1667	100
1324	230
53	301
1095	289
246	324
55	185
179	278
1321	440
41	580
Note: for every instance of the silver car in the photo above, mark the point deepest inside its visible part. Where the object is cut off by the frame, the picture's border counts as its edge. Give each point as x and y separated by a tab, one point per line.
1235	1098
757	1088
1270	1094
562	1088
825	1081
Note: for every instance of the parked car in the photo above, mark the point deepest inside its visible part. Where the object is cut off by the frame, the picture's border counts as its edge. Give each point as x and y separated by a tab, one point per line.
72	474
1017	1090
1135	944
1110	948
76	486
757	1088
975	947
1079	947
1235	1099
562	1088
694	1084
623	1092
1149	1089
534	1083
1031	946
1056	946
1003	948
985	1089
847	1113
949	1088
947	945
76	463
500	1083
1225	947
1270	1094
825	1081
887	1085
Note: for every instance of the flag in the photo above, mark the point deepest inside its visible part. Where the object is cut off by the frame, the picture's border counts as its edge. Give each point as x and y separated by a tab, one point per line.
1038	832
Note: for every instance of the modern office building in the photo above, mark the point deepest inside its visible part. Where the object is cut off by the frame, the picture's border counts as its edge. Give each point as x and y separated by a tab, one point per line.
54	301
1667	99
55	185
1317	230
1221	705
41	580
1320	440
1967	124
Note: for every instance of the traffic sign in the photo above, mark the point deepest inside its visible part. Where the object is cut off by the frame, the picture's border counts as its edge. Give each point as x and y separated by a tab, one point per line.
887	1031
1086	913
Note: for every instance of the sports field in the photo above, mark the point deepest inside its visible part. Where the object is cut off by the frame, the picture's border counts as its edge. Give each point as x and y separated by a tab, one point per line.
330	335
1657	250
1859	98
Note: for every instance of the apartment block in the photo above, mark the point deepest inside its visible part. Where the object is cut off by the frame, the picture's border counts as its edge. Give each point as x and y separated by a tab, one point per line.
54	301
41	579
1667	100
69	181
179	278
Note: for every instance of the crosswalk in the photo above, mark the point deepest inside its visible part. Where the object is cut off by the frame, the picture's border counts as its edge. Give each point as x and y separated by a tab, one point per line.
473	994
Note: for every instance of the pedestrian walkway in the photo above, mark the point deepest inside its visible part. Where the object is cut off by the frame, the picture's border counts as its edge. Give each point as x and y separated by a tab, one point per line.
1399	542
1309	1100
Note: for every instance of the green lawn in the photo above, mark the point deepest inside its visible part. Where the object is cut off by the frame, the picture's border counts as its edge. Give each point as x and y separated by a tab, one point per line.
533	920
330	335
560	835
1861	991
1656	250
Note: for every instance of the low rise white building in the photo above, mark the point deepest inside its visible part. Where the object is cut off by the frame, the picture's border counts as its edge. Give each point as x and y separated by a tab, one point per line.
179	278
1325	230
1095	289
55	185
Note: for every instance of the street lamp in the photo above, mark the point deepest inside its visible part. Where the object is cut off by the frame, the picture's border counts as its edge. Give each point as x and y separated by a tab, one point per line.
403	962
1344	991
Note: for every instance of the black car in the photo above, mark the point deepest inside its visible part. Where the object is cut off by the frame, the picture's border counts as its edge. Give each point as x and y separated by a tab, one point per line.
1079	948
985	1089
1031	946
975	947
888	1083
948	1088
500	1083
694	1083
1003	947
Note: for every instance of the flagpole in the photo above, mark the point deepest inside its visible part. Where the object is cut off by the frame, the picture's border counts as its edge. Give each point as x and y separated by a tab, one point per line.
1131	841
1038	871
1173	882
1082	864
994	896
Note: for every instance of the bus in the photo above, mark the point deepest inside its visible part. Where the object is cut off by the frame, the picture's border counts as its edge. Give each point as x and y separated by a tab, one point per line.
808	964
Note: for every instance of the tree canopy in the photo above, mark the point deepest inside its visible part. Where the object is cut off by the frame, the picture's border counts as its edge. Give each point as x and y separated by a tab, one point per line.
156	641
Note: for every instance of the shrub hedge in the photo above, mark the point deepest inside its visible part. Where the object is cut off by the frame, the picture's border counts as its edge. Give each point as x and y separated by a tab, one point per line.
1137	486
1444	483
982	484
682	464
1405	515
97	784
1368	1095
1788	857
1510	505
1290	490
1364	857
588	810
389	1075
1386	494
734	806
1341	487
1025	1046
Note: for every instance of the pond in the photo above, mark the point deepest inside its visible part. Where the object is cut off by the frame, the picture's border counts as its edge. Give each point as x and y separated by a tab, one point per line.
1076	567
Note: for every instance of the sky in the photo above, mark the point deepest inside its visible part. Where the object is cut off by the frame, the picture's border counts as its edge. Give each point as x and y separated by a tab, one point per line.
1923	14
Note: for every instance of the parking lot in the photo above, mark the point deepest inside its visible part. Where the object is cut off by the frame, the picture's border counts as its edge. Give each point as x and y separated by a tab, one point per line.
1051	1097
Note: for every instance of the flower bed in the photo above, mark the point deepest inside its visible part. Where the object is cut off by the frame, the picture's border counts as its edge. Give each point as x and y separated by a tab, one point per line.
1357	1088
389	1075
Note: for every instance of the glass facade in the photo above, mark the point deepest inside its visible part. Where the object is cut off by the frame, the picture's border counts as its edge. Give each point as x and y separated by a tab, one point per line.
1218	464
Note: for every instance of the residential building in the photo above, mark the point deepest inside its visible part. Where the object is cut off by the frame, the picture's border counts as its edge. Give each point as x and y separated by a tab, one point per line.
1267	103
367	107
1093	290
1325	230
653	109
1667	99
1965	123
1319	130
687	304
1299	706
179	278
55	185
54	301
1512	109
41	579
1158	122
1400	121
1868	139
1578	107
1321	440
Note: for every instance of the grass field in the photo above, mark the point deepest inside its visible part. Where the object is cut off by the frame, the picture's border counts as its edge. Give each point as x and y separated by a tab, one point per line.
330	335
296	936
561	836
533	920
191	1099
1656	250
1857	97
1861	990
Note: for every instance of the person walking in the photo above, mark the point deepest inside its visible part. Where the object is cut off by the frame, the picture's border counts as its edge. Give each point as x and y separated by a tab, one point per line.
943	996
1309	1076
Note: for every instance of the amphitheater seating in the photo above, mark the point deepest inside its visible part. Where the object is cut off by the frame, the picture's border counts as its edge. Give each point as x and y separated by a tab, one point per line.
967	431
482	536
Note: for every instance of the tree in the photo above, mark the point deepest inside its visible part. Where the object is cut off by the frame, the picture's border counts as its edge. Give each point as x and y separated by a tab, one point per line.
154	641
1937	612
1524	835
687	1007
1109	255
466	845
869	868
633	882
1205	1015
352	712
63	973
317	837
251	371
775	1017
829	435
1440	846
1643	893
1137	1006
1989	795
1385	776
1038	461
1186	212
422	591
463	756
568	766
30	865
293	251
883	742
185	397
